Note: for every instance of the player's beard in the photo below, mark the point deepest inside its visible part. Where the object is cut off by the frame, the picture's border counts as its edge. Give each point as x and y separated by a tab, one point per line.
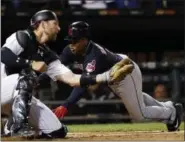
54	37
51	36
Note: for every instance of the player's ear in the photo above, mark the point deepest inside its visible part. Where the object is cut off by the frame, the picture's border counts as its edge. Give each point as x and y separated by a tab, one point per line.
43	24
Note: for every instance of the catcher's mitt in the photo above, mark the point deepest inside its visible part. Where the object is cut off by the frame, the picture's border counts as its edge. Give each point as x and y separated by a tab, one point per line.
120	70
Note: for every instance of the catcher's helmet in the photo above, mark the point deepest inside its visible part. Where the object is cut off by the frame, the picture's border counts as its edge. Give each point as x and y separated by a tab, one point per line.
78	30
42	15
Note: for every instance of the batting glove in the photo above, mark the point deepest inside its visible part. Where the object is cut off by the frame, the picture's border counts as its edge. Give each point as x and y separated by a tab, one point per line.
60	111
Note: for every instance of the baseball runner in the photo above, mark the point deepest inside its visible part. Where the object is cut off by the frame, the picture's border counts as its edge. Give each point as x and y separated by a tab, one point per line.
25	55
86	55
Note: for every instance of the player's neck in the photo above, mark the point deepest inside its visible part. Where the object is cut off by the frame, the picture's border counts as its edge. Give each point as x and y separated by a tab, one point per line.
85	47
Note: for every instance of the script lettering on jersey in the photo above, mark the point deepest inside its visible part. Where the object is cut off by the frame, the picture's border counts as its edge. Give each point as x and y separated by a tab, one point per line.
91	66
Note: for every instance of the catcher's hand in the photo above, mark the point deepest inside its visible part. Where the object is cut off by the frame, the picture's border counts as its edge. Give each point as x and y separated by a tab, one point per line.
120	70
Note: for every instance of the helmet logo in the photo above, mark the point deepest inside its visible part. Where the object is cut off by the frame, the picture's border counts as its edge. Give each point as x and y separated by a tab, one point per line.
70	32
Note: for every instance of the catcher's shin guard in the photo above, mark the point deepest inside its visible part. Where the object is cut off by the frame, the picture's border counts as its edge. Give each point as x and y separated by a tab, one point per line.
22	102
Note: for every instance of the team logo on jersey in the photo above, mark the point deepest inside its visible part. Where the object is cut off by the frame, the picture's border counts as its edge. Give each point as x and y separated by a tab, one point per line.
91	66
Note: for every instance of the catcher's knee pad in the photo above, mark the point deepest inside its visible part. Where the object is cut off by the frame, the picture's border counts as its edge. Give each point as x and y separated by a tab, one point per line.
22	102
61	133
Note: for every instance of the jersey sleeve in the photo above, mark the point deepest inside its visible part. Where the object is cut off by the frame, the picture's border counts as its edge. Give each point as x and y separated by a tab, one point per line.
13	44
122	56
111	57
56	68
74	97
12	49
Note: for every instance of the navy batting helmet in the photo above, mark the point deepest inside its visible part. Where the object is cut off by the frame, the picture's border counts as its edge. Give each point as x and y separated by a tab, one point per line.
78	30
42	15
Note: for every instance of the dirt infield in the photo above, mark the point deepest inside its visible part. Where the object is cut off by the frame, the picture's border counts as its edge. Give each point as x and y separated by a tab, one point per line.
154	135
126	136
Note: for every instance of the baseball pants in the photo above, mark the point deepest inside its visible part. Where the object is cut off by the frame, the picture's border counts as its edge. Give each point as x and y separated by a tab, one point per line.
140	105
41	117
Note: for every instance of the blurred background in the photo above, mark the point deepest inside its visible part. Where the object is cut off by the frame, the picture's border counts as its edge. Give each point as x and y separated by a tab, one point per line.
151	32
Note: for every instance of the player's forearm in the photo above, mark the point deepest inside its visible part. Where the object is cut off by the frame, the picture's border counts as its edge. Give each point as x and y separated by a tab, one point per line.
75	95
69	78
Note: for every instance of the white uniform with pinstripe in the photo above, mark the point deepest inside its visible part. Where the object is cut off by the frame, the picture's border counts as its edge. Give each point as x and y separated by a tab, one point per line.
41	116
140	105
